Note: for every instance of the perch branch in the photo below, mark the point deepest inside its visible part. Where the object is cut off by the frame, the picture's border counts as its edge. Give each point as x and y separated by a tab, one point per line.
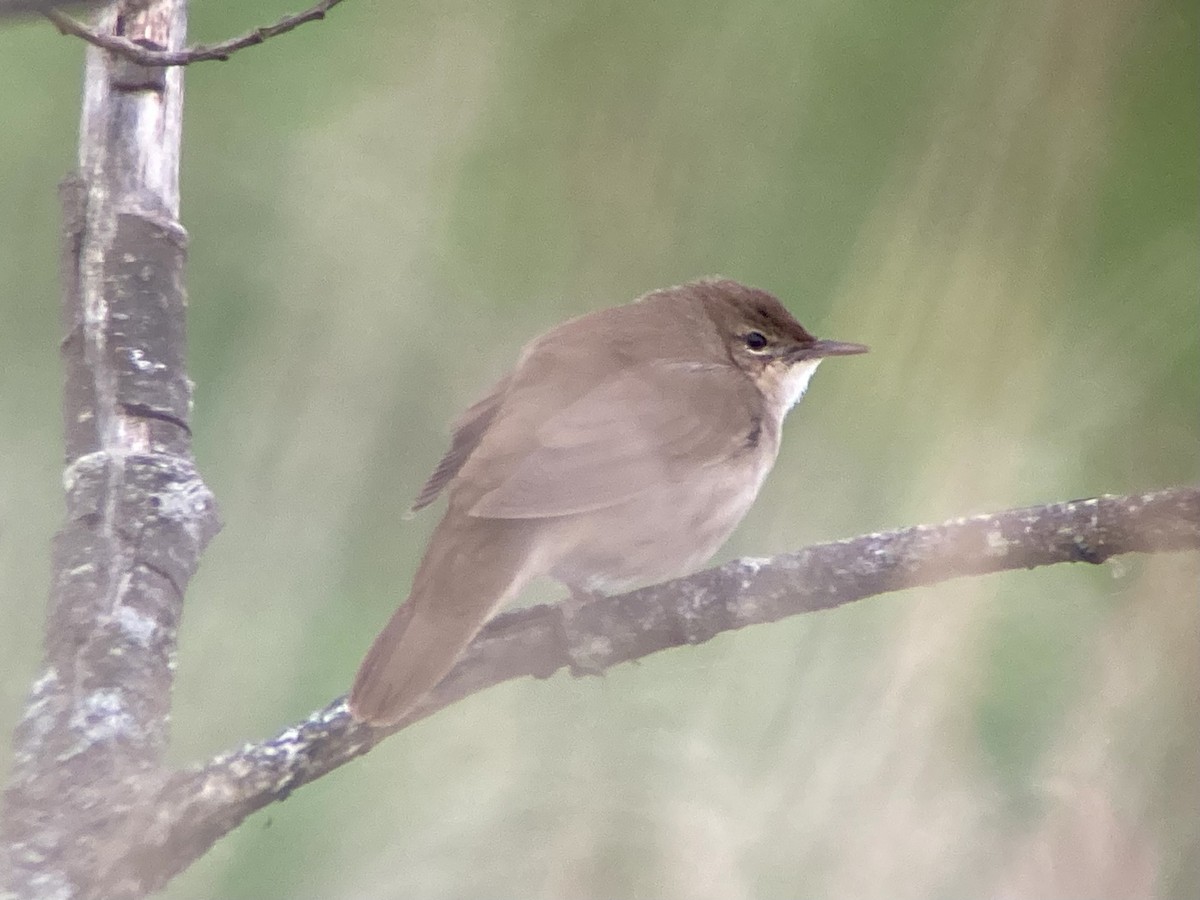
197	806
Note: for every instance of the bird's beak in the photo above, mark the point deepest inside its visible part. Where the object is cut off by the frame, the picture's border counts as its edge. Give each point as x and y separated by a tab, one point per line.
821	349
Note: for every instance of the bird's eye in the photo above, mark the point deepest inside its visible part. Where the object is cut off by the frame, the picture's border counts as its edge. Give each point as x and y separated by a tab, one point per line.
755	340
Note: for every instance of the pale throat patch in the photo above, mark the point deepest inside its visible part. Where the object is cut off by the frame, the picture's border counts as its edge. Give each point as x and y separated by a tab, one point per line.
795	382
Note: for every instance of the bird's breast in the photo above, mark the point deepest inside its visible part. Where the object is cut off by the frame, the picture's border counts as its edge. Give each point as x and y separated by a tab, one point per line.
666	531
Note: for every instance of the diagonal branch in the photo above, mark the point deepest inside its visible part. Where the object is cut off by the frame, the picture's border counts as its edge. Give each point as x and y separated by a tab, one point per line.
149	56
197	806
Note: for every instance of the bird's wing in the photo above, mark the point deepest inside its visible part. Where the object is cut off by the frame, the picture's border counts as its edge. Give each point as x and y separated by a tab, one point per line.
649	424
468	429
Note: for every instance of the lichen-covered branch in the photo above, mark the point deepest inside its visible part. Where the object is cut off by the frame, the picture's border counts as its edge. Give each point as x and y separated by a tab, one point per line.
90	746
197	806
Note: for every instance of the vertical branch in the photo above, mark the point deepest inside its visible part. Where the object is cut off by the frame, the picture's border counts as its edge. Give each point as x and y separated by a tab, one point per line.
90	747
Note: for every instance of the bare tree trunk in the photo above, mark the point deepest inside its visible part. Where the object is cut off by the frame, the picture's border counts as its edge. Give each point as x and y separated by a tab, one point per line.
90	748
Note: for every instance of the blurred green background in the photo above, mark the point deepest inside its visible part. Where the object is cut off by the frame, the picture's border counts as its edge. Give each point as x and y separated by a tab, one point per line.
1001	198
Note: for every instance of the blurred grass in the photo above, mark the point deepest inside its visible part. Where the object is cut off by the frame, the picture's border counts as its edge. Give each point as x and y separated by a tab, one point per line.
1001	198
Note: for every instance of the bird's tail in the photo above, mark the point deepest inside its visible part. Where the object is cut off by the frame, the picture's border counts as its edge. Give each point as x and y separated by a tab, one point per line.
471	568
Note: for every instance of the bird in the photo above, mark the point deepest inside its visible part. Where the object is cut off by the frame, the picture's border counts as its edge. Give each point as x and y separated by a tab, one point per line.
622	449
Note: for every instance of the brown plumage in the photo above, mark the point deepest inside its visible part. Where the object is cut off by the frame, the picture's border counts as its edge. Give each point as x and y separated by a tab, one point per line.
622	449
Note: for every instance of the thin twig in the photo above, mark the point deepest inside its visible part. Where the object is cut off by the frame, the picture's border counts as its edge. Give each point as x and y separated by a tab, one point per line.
145	56
10	8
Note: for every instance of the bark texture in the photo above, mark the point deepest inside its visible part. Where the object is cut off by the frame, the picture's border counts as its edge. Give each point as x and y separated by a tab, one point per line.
89	749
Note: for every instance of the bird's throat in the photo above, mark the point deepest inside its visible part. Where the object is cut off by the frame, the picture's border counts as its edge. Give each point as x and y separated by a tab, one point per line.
790	384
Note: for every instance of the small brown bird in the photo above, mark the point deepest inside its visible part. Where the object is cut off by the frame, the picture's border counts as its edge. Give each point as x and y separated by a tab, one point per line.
622	449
